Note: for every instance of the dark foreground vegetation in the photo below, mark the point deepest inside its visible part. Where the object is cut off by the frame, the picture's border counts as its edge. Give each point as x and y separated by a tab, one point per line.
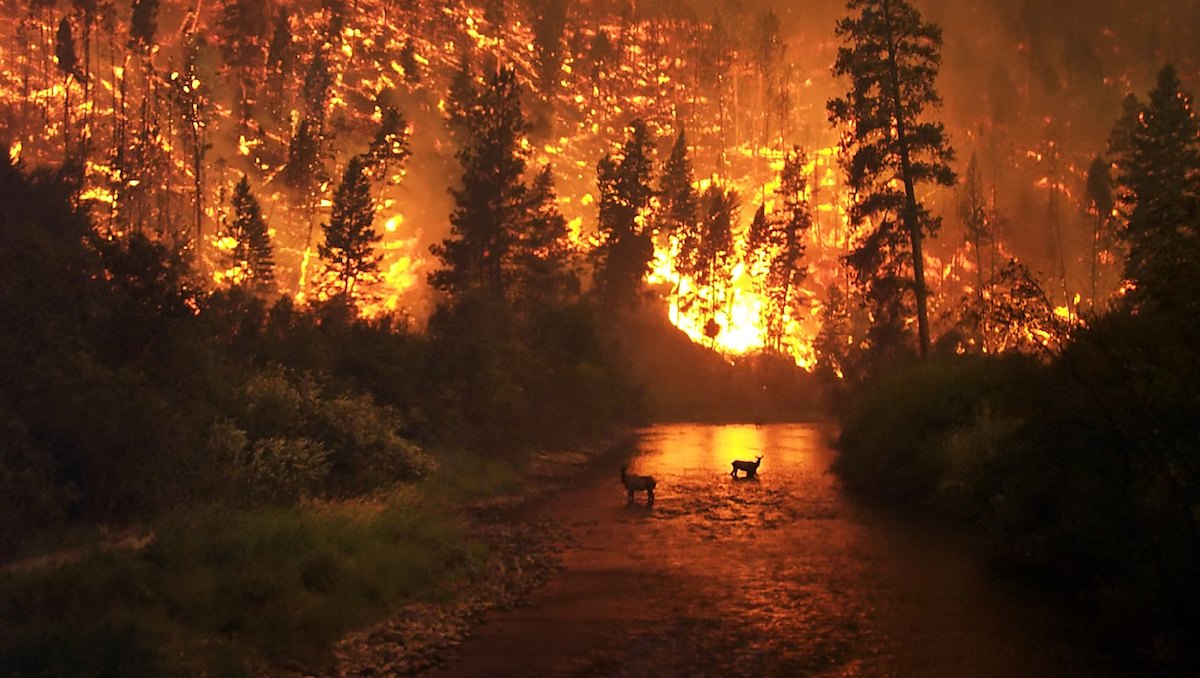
267	473
264	448
1082	463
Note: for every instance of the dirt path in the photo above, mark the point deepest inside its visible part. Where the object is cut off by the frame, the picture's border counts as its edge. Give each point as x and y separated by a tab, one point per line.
780	576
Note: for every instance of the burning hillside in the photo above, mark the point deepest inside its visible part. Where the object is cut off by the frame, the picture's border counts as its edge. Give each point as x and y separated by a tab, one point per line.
164	107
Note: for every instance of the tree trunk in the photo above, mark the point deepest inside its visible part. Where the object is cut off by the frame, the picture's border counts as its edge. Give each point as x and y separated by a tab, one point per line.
911	220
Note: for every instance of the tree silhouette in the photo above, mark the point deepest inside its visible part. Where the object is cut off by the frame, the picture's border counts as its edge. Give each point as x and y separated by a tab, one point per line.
1157	150
68	65
978	225
252	256
492	198
350	236
389	149
892	58
544	266
622	259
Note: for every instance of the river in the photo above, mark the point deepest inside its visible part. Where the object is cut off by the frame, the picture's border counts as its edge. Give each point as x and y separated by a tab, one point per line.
781	575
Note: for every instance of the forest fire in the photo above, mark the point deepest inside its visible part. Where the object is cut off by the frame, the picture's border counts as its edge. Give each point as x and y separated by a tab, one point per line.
166	121
270	267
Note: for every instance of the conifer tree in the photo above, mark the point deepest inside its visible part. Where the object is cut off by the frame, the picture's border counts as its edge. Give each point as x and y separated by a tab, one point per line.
549	24
143	26
491	200
280	62
305	170
623	258
350	236
544	267
714	256
678	199
892	58
676	225
777	242
252	253
244	26
1157	149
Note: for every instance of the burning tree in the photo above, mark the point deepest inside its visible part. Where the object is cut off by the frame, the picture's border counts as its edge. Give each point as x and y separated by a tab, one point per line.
712	260
777	242
892	58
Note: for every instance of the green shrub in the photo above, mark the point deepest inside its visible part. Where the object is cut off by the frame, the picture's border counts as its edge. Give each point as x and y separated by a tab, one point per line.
305	440
284	470
366	450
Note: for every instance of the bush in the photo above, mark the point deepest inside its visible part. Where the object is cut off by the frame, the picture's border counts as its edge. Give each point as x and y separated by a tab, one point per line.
284	470
305	441
969	457
895	434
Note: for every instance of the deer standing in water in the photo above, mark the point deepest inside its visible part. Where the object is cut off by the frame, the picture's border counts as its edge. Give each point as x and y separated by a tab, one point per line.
638	484
750	467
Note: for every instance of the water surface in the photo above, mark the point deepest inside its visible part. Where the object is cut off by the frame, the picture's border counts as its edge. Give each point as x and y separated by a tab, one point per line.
780	575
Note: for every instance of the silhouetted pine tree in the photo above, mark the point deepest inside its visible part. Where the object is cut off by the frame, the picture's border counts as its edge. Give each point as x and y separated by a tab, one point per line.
545	272
679	203
143	26
252	253
317	81
1157	150
978	227
305	170
491	201
623	258
350	236
280	63
892	58
549	24
244	26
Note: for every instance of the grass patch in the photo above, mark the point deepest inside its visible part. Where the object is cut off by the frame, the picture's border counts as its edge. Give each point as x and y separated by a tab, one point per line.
224	592
465	477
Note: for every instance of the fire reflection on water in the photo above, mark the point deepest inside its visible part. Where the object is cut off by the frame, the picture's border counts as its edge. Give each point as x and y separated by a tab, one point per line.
786	449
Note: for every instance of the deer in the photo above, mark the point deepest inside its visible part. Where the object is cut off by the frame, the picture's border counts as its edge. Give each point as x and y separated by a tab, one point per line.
634	483
750	467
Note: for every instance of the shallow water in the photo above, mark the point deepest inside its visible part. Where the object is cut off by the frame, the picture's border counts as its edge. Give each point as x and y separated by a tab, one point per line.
780	575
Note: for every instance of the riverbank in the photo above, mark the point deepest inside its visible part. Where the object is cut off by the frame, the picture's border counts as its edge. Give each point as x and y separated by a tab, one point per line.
347	588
